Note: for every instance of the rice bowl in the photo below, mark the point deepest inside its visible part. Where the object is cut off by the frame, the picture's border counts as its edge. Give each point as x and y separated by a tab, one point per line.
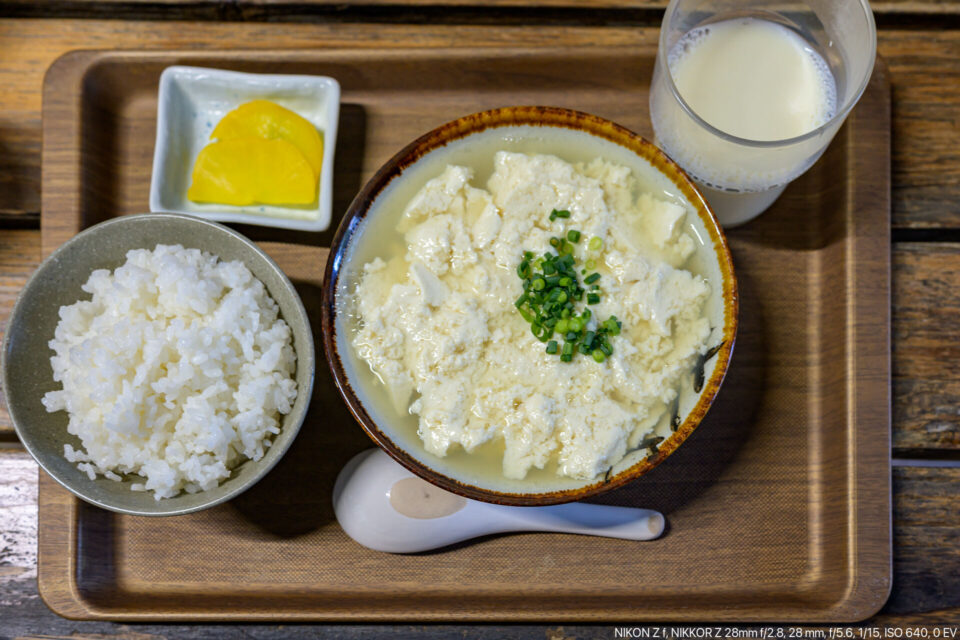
176	370
58	281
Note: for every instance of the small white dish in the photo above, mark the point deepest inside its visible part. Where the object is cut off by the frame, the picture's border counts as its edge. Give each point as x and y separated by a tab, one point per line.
193	100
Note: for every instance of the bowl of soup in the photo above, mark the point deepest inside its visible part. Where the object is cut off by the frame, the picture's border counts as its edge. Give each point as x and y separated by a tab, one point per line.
529	306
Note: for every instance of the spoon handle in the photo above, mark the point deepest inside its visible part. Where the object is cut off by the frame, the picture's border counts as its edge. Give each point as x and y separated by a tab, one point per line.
627	523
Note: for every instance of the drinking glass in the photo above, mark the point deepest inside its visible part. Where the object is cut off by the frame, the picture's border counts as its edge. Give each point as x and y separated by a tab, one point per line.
841	31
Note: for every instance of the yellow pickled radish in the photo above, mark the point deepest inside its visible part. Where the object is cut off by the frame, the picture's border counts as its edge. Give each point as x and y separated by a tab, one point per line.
265	119
251	170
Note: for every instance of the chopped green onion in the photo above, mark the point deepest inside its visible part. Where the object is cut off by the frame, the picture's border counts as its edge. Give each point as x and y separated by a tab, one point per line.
596	243
612	325
552	290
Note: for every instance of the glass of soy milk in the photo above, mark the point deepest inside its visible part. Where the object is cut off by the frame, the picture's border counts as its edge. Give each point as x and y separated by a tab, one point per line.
747	94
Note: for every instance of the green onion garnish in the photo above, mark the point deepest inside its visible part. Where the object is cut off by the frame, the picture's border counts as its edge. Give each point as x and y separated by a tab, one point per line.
552	291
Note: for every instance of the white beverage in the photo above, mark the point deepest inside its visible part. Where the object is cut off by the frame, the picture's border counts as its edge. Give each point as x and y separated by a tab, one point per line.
752	79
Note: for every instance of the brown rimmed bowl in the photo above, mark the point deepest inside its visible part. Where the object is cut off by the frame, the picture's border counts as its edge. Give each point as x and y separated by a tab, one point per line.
573	136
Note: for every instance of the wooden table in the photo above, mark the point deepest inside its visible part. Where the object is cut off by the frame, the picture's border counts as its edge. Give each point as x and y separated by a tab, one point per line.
920	41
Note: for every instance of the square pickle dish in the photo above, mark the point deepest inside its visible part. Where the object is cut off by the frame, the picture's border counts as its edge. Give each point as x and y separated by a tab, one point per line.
192	100
778	507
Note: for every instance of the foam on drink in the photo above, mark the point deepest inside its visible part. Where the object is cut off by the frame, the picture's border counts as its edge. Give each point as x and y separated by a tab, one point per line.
753	79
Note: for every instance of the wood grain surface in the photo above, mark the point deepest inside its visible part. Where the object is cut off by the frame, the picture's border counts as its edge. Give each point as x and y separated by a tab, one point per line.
926	322
814	299
924	67
926	586
920	41
281	8
926	348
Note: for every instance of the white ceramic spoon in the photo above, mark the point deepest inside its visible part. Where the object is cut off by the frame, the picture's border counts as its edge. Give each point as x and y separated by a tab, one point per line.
384	507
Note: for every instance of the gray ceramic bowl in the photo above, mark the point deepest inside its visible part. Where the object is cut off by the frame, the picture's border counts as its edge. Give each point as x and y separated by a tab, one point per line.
27	375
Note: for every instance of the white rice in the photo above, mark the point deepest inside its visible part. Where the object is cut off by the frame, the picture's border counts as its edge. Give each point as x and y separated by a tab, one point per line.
177	370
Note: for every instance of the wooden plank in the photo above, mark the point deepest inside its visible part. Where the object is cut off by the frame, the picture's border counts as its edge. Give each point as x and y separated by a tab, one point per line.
926	540
926	571
926	353
280	7
30	46
19	256
924	67
926	321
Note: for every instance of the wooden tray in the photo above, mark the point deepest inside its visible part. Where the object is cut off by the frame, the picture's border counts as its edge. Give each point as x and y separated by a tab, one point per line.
778	506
